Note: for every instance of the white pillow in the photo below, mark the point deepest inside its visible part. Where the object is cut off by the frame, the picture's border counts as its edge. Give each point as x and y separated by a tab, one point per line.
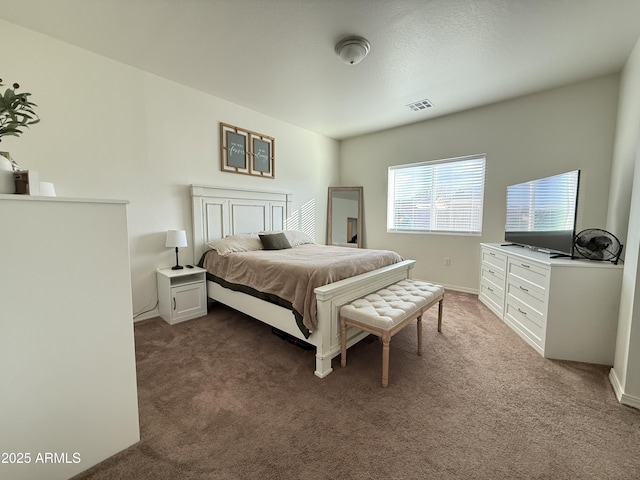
297	237
236	243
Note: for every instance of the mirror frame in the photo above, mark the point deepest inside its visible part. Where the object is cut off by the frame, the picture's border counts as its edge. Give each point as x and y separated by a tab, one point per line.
360	192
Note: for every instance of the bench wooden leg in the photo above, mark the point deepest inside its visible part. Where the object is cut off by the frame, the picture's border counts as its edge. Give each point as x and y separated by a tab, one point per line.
420	335
386	338
440	315
343	343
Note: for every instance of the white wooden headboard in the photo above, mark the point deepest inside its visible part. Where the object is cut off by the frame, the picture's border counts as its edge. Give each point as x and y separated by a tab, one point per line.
218	212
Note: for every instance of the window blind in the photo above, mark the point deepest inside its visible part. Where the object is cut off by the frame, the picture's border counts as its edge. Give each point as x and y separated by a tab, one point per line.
548	204
440	196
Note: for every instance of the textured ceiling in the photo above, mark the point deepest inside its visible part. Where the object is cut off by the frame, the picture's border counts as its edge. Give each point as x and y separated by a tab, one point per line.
277	56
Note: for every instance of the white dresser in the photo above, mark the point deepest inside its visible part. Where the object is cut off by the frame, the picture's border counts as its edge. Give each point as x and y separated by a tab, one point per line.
565	309
66	335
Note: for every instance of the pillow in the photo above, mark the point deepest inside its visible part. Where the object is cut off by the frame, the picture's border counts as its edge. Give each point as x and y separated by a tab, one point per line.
297	237
236	243
274	241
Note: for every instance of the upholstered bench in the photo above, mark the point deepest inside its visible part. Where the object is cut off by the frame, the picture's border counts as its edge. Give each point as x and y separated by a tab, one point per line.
387	311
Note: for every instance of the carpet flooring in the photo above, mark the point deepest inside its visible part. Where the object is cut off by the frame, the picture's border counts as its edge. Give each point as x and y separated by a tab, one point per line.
221	397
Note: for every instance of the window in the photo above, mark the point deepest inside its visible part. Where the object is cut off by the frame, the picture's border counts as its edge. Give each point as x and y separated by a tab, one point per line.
443	196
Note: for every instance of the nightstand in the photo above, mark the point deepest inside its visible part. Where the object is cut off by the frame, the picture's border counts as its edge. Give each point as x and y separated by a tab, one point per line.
182	294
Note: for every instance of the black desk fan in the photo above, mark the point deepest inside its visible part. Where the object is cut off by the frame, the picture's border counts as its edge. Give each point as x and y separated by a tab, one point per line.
598	244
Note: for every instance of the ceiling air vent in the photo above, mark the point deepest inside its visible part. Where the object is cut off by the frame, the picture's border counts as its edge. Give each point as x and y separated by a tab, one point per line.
420	105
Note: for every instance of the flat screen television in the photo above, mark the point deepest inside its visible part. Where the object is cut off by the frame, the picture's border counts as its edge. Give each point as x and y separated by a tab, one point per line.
541	214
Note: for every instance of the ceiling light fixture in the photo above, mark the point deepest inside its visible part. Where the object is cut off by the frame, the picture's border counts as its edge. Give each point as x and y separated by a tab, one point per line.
352	50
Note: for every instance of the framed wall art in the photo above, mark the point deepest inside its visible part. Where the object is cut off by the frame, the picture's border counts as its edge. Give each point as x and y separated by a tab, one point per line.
246	152
262	155
234	153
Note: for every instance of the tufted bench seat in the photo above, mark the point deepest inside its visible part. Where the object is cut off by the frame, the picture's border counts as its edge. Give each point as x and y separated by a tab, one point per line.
387	311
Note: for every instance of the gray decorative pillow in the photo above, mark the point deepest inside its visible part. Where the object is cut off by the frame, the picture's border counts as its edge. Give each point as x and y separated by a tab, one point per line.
274	241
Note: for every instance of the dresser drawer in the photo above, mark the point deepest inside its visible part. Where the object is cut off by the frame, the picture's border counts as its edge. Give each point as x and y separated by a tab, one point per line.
526	319
492	274
528	295
493	295
497	260
529	274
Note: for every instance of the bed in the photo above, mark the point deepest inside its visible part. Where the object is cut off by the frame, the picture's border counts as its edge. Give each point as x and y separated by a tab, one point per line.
221	212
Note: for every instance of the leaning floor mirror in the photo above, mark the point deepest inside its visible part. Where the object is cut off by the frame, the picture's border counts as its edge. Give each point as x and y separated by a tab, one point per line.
344	216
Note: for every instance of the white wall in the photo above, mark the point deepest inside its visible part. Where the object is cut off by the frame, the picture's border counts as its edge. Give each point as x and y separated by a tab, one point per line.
112	131
526	138
624	212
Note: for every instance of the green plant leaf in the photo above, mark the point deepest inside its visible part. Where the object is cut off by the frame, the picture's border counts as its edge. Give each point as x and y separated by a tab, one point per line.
16	112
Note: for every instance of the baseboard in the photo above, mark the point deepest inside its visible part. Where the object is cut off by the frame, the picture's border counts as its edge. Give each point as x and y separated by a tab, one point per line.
615	383
457	288
622	397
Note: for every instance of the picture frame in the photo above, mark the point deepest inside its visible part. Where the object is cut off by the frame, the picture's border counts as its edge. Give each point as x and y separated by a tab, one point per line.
234	151
246	152
262	155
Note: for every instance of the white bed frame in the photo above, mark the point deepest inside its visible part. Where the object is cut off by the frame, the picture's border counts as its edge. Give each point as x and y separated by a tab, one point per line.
218	212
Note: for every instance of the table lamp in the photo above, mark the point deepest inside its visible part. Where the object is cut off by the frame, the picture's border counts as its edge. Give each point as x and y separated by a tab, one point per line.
176	238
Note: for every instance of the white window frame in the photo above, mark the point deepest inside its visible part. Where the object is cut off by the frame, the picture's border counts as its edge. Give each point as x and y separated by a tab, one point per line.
418	203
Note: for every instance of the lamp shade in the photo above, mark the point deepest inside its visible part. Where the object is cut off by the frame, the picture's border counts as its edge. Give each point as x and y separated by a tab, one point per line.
176	238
